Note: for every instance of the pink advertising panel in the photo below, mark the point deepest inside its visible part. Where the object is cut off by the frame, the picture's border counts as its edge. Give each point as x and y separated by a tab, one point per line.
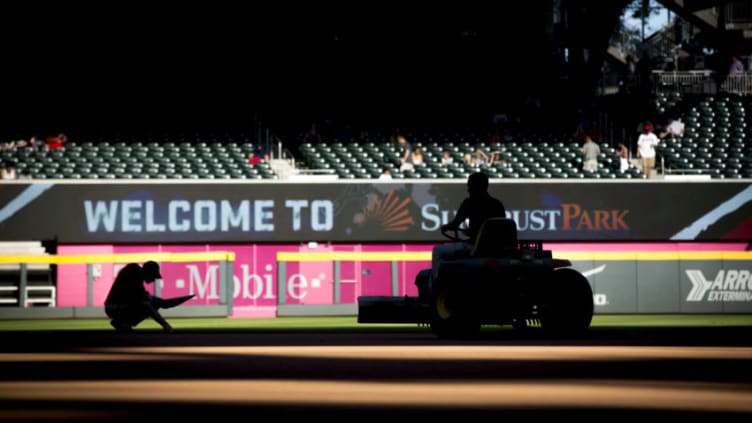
255	272
72	278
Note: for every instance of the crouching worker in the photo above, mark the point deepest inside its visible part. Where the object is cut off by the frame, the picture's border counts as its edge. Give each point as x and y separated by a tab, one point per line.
476	208
129	303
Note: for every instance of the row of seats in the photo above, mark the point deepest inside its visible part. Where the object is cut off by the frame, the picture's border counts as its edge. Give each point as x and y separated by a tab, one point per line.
141	160
717	140
515	160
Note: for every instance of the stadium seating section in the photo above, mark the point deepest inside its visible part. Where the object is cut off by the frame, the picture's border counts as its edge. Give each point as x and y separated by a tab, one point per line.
716	143
102	159
717	139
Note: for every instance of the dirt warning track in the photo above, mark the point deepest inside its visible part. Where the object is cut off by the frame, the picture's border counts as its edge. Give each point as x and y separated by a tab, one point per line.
104	375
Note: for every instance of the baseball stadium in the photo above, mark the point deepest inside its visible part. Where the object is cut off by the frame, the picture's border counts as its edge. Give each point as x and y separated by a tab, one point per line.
289	171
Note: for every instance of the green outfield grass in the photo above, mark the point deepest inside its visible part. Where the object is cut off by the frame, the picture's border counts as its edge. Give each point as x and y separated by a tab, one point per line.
350	324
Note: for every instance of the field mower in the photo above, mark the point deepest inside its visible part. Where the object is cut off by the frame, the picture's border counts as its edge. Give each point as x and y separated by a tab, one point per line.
504	281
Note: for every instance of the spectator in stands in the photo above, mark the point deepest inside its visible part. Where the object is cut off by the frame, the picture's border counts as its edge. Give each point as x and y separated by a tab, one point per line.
495	157
406	162
35	142
55	142
480	158
9	171
129	303
386	175
646	144
253	158
9	145
417	157
737	67
623	154
476	208
674	129
20	143
591	151
25	173
446	158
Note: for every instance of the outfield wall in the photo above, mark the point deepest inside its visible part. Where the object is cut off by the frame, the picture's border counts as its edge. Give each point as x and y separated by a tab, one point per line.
313	279
633	239
277	212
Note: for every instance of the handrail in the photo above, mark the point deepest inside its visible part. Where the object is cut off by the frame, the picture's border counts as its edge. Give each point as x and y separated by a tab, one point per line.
702	81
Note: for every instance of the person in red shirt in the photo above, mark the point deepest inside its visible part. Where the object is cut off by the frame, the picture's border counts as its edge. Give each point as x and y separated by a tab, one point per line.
253	158
56	142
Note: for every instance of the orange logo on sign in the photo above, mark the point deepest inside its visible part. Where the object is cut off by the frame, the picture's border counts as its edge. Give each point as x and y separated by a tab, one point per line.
390	212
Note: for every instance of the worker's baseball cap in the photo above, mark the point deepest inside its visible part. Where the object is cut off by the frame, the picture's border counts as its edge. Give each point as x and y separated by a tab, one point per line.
152	268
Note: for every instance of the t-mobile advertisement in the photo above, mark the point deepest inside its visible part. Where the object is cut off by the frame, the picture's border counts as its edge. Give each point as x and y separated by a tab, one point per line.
255	276
625	277
281	211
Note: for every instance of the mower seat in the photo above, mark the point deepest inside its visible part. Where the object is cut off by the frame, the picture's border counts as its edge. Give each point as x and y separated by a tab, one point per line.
496	238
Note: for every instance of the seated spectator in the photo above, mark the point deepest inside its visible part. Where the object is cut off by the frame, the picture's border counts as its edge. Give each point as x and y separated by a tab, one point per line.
446	158
55	142
9	171
417	157
35	142
481	158
25	173
674	129
386	174
496	150
253	158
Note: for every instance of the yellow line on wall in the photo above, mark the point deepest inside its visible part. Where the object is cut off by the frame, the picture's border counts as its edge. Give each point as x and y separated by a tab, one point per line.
119	258
570	255
355	256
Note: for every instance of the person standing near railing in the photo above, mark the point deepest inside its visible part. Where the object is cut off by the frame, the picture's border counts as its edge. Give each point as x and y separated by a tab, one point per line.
646	144
591	151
